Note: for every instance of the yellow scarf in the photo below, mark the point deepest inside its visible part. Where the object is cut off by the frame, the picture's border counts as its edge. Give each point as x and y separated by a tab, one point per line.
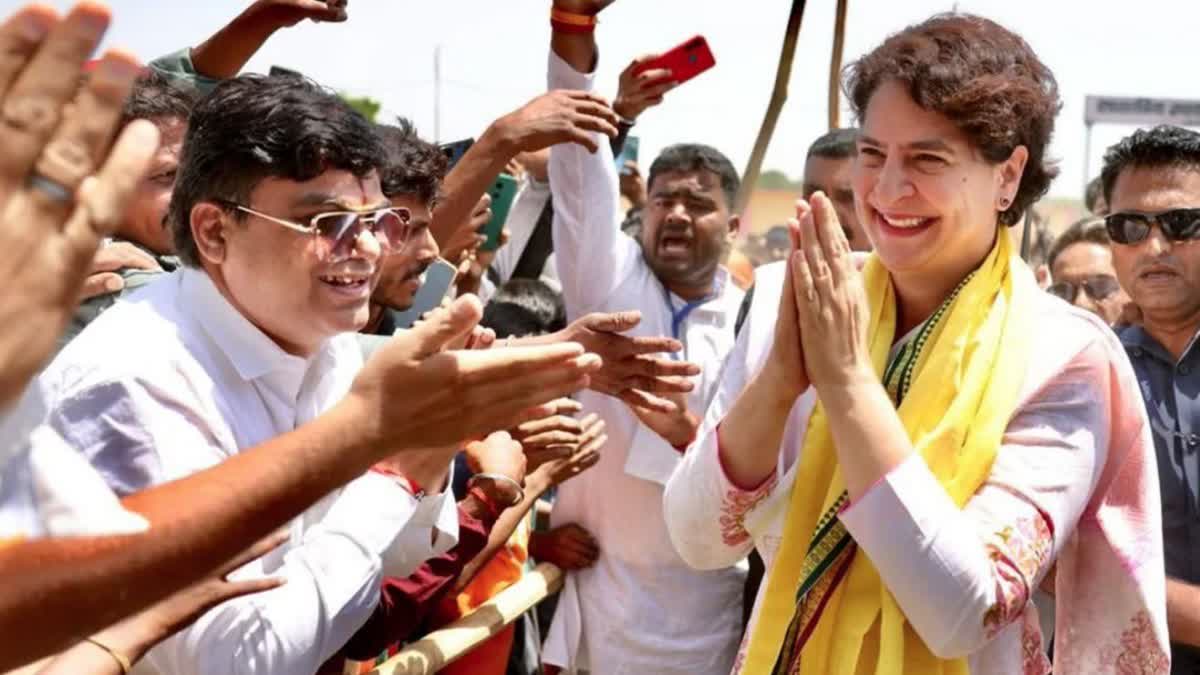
963	393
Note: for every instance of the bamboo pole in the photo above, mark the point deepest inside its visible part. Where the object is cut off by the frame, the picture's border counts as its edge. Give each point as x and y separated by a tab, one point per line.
778	95
446	644
835	66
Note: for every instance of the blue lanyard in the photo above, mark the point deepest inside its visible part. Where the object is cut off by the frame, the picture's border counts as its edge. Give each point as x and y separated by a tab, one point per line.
678	316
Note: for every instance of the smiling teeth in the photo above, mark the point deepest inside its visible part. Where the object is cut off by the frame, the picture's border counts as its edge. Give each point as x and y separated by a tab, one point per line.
344	281
904	222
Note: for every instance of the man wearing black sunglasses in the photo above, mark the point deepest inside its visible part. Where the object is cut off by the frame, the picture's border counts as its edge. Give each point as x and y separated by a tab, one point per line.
1152	185
1082	272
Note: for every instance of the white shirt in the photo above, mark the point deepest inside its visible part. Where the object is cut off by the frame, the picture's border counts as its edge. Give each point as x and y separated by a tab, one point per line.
47	489
174	380
522	220
640	608
963	577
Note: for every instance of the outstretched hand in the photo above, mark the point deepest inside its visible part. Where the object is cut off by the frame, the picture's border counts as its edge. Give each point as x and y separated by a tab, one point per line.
285	13
463	394
559	116
635	369
64	183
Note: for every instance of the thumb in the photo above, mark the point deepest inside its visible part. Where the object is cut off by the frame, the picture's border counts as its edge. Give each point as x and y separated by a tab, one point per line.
446	324
617	322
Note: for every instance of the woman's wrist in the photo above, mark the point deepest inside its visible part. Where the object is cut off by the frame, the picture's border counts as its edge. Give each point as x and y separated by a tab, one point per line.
773	387
849	386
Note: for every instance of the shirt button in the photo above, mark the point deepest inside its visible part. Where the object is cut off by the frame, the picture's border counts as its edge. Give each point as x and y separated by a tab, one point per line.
1193	440
1137	352
1185	370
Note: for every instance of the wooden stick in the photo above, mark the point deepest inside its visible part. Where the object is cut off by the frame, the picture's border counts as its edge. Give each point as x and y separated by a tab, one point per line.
778	95
835	66
446	644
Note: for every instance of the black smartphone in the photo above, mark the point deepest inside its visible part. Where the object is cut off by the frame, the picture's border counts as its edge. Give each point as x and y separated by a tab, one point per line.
454	151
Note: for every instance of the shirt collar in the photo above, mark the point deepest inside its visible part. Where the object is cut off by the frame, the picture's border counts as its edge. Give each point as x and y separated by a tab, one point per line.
1137	341
252	353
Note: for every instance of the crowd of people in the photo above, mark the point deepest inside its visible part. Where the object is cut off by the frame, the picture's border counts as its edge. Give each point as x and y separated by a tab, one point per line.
229	444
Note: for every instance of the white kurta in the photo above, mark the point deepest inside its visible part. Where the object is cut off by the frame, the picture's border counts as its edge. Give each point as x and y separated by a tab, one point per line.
964	578
174	380
640	609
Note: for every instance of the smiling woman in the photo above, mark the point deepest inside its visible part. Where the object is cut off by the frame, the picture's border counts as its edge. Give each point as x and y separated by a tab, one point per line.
905	460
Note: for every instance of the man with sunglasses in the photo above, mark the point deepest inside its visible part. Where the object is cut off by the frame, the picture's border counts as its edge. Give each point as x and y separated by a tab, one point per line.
1082	272
1152	186
279	220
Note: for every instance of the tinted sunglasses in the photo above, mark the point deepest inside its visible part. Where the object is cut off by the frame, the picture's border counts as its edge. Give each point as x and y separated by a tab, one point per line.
1098	287
338	230
1133	228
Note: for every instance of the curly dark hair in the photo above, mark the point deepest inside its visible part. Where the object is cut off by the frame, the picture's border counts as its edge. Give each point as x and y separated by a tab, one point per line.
1160	147
414	166
982	77
157	96
254	127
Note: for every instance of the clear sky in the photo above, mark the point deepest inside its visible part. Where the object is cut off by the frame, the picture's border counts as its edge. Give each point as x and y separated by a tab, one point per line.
494	54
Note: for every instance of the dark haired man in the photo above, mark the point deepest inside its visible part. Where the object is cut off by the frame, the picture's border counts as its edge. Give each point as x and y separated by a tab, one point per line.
164	94
411	179
141	246
640	608
279	221
827	169
1152	186
1082	272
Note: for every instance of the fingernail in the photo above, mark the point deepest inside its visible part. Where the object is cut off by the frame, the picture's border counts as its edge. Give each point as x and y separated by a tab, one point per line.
33	25
114	284
92	15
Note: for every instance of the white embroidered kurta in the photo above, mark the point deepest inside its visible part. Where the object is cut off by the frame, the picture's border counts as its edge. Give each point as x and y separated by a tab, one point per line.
964	578
174	380
640	609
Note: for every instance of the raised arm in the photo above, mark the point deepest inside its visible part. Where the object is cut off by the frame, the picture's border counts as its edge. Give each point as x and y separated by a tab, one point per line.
558	117
593	254
223	55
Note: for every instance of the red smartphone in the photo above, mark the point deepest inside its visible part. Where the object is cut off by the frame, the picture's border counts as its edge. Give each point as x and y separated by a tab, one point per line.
685	61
